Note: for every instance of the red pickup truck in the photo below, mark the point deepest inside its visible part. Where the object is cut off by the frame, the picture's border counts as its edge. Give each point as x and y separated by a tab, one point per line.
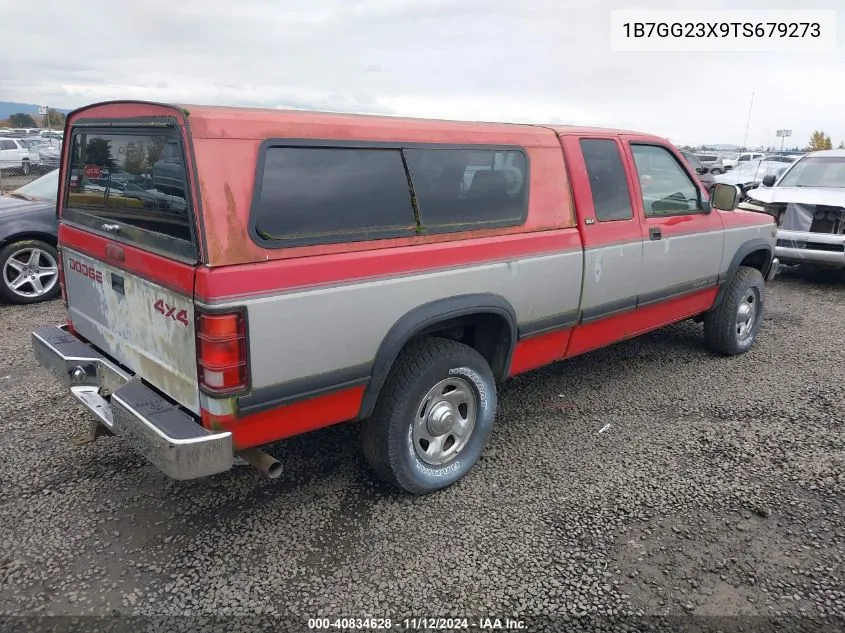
236	276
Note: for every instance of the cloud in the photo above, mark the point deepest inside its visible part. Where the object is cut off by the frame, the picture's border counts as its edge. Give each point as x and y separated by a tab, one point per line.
544	61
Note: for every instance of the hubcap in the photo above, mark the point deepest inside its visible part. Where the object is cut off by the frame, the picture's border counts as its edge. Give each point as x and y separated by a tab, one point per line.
30	272
444	421
746	315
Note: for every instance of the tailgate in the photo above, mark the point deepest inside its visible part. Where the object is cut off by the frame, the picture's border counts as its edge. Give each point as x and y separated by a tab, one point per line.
143	325
127	229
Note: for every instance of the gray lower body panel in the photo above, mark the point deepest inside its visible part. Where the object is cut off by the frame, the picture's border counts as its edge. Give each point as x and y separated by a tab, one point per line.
158	429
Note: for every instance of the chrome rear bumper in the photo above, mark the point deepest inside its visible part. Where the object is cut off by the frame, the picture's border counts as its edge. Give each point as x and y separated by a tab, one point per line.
161	431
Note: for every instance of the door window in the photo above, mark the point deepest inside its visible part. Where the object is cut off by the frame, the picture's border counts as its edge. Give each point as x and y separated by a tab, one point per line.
611	198
666	187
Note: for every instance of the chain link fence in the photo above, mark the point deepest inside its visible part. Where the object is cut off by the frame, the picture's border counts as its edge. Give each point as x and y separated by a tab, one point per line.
25	157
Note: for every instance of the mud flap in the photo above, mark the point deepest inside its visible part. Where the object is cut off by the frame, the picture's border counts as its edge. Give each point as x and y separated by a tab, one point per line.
95	430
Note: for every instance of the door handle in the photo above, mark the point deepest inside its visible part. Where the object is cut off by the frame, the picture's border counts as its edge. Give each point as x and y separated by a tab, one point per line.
117	284
654	233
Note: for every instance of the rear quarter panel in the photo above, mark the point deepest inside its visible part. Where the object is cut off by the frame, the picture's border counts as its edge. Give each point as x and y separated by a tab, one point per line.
306	331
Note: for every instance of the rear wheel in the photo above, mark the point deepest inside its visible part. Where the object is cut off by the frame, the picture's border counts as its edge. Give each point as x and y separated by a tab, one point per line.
433	417
29	272
732	327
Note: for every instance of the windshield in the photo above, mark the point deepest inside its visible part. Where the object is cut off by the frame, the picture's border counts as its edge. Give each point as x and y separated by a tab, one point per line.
816	171
44	188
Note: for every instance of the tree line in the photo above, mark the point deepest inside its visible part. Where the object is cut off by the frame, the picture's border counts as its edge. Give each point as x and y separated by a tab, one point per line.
819	140
53	119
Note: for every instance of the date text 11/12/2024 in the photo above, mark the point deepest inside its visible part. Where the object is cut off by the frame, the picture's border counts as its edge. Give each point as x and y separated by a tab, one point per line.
418	624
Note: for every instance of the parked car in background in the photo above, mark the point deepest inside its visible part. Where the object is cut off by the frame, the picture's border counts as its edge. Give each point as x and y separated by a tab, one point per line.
334	267
713	162
702	171
14	155
729	161
29	270
752	173
43	152
745	157
808	203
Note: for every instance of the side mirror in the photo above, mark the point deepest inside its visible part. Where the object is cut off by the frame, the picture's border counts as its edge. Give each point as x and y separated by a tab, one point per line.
702	170
725	197
769	180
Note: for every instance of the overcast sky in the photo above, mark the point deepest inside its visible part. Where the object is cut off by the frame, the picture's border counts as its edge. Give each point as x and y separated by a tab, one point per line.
537	61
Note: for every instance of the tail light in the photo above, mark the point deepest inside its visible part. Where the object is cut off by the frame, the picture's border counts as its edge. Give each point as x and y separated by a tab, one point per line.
222	352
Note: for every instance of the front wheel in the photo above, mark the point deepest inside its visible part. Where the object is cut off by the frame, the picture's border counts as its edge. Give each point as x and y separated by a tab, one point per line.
732	327
433	417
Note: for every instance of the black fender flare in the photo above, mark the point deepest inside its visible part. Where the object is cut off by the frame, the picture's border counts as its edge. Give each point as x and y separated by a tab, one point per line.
423	317
745	249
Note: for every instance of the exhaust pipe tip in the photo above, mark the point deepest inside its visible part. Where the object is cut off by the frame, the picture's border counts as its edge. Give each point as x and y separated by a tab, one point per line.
263	462
274	470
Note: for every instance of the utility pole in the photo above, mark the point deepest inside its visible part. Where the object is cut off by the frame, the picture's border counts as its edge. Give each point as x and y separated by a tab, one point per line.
783	134
45	111
748	123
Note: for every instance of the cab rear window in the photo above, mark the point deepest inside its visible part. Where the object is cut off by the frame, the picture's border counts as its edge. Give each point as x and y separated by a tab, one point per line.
131	184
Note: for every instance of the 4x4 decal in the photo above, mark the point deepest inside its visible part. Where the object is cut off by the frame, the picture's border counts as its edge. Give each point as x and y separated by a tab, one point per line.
170	312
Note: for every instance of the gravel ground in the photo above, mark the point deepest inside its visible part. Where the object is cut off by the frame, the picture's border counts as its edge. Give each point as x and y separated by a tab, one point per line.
716	491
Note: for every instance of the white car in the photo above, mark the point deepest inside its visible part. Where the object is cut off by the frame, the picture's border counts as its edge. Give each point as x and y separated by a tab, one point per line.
41	152
808	202
14	155
729	161
745	157
755	171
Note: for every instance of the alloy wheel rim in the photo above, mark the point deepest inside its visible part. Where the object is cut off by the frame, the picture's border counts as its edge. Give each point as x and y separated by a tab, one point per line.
30	272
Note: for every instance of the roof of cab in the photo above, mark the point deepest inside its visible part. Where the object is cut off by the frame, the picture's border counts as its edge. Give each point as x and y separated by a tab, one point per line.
209	121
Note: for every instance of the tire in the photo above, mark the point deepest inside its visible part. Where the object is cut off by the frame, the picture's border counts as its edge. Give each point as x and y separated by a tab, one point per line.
745	293
15	261
716	171
396	436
